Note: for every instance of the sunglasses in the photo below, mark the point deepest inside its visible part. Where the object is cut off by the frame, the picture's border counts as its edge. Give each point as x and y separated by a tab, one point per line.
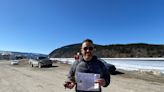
88	48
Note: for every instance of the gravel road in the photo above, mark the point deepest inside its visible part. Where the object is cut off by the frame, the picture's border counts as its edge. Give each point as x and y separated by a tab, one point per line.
24	78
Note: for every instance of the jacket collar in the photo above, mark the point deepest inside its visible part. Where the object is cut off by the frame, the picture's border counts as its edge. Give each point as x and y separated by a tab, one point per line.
94	58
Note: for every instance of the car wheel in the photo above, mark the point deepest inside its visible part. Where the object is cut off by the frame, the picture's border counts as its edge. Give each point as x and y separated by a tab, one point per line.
39	65
112	70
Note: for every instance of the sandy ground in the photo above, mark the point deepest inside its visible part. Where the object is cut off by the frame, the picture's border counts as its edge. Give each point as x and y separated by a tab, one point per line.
24	78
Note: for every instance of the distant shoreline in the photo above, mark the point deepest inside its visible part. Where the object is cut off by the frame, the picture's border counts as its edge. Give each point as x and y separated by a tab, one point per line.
146	76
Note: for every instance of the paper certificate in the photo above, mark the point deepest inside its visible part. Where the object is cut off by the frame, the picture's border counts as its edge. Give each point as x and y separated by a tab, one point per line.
86	81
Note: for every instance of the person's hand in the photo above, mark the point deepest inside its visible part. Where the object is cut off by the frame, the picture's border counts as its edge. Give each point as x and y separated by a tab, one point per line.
100	81
69	84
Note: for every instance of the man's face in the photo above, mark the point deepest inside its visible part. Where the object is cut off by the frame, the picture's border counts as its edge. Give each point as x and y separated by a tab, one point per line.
87	50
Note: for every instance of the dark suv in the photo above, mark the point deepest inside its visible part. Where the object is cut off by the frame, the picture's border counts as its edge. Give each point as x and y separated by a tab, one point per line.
110	67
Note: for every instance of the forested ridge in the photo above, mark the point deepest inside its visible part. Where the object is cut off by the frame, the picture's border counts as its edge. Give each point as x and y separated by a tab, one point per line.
113	51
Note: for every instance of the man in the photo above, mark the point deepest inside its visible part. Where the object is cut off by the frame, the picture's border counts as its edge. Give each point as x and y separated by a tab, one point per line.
77	56
89	64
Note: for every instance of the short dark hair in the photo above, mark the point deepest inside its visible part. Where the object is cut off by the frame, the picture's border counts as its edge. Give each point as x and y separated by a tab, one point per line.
88	40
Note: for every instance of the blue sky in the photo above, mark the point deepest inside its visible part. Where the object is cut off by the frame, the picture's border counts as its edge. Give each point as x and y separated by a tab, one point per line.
40	26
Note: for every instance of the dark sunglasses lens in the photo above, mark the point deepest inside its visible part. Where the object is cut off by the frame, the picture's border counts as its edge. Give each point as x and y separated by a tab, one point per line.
85	48
88	48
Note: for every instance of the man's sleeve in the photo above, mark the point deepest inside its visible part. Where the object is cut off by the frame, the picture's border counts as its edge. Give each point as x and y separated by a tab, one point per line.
106	76
71	74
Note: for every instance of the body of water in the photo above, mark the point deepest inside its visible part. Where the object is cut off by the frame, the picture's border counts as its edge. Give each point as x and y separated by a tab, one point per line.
142	64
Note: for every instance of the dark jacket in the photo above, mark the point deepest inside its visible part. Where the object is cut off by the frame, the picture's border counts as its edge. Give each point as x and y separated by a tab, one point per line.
93	66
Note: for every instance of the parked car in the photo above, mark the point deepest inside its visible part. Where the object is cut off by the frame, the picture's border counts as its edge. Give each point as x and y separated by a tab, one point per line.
110	67
40	62
14	62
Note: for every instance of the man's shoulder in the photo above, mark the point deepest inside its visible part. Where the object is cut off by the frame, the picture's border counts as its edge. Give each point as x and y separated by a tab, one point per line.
100	61
76	62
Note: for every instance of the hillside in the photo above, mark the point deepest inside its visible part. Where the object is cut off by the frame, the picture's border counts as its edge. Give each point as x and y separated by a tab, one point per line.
13	54
113	51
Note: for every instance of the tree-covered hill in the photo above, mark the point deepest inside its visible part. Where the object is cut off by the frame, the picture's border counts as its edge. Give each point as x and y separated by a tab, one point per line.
113	51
